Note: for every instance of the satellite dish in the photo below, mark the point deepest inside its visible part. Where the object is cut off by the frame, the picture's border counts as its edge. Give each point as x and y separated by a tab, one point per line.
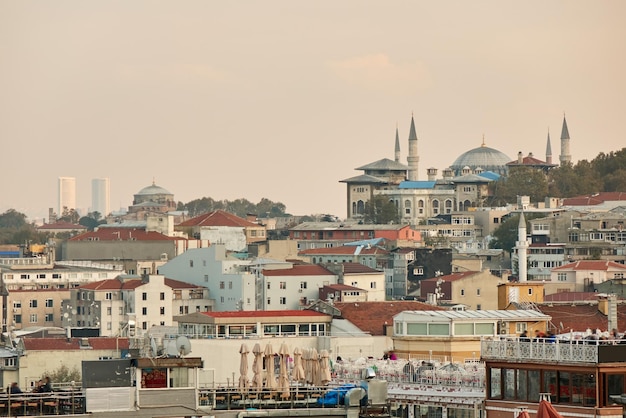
66	315
153	347
170	348
73	311
184	345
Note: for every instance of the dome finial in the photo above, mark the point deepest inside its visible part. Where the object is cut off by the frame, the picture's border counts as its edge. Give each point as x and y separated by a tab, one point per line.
483	144
153	181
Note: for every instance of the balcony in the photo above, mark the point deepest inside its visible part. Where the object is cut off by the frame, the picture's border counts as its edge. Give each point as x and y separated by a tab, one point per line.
513	349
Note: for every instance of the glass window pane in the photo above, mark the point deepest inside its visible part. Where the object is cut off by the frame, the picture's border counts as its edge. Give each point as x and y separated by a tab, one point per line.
509	383
496	384
464	329
533	385
549	384
522	385
416	329
565	395
439	329
484	329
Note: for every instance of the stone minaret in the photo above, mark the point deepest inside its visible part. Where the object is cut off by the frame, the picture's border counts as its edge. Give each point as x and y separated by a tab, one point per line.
548	150
397	154
565	156
522	249
413	159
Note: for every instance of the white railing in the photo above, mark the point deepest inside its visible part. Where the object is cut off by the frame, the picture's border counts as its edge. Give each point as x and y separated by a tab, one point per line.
514	349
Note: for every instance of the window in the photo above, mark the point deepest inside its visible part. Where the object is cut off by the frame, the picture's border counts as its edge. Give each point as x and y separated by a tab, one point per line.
162	310
109	311
49	317
144	311
17	304
269	301
144	296
144	325
372	285
478	292
283	285
418	271
49	303
162	296
230	285
108	296
520	327
206	277
33	304
303	285
530	291
17	319
222	285
121	310
33	318
562	277
268	285
190	263
462	292
108	326
58	276
283	300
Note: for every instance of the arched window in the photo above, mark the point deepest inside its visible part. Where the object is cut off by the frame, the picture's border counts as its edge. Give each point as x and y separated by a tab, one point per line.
448	205
407	207
360	207
354	212
435	207
420	207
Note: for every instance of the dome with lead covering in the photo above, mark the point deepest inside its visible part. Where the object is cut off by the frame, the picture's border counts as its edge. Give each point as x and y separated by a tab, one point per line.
484	158
153	189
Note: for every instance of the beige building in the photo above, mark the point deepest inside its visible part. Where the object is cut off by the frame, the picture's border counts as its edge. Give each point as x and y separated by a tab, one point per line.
473	289
32	308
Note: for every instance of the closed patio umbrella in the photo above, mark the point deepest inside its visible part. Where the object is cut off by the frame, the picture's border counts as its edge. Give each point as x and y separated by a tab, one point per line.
308	365
243	367
298	371
257	367
283	377
270	379
325	376
315	368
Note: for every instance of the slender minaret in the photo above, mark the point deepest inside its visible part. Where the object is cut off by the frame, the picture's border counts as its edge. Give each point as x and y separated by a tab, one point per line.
413	159
522	249
397	155
565	156
548	150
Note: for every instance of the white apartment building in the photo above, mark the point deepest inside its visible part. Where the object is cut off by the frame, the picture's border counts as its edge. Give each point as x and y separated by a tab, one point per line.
228	278
293	288
581	276
66	194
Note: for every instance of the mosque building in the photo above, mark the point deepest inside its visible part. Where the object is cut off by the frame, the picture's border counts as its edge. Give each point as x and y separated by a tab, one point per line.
463	185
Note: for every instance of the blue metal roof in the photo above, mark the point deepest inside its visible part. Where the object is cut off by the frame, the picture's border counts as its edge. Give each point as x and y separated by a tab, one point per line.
417	185
490	175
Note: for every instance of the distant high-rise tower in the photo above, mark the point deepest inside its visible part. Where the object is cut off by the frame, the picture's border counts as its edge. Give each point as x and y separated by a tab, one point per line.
565	157
101	196
67	194
413	158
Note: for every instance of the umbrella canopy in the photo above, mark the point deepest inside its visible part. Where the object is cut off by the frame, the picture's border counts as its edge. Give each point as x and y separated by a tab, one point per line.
298	371
243	367
523	414
257	367
308	365
325	376
283	377
315	368
270	379
546	410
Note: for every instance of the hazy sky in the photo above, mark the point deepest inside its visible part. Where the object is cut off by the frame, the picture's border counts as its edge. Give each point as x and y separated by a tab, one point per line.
283	99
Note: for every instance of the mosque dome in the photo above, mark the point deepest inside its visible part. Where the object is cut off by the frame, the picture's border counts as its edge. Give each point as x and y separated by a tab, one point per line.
483	158
151	190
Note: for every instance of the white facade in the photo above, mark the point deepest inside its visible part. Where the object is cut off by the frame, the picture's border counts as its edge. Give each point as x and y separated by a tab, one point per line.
233	238
285	292
66	194
101	196
229	283
372	283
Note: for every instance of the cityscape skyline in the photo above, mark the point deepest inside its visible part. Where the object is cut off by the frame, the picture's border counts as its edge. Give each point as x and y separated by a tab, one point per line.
215	100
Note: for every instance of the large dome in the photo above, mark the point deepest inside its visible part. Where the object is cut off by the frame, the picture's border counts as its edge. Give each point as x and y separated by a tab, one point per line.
483	157
153	189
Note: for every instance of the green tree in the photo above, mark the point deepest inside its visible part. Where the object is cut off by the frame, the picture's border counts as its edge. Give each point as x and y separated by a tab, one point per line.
12	219
88	222
69	215
521	181
380	210
506	235
63	374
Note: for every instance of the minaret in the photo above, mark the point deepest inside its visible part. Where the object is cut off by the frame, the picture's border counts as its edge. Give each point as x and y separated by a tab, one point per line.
397	155
565	156
522	249
548	150
413	159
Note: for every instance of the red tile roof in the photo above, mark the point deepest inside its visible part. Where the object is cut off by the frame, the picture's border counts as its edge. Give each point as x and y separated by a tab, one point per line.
594	199
129	284
261	314
373	316
60	343
123	234
528	160
218	218
344	250
580	317
591	265
571	297
340	287
300	270
358	268
177	284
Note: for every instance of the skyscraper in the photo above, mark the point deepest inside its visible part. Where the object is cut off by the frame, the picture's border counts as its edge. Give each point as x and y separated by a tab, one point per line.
67	194
101	196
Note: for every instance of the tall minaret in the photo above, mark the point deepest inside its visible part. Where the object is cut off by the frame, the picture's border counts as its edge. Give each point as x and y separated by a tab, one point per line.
397	155
522	249
548	150
413	159
565	156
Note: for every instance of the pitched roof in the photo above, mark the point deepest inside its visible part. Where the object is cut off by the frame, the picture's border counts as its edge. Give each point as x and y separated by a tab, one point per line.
123	234
373	316
591	265
345	250
529	160
62	225
58	343
260	314
363	178
218	218
594	199
579	317
129	284
571	297
384	164
341	287
358	268
177	284
300	270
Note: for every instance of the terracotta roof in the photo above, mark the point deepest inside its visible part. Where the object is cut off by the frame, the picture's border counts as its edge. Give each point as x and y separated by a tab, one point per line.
177	284
528	160
358	268
300	270
61	343
571	297
345	250
122	234
372	316
260	314
218	218
452	277
594	199
113	284
583	316
62	225
591	265
341	287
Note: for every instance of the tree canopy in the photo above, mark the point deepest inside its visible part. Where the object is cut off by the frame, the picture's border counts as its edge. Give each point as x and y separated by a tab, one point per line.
240	207
380	210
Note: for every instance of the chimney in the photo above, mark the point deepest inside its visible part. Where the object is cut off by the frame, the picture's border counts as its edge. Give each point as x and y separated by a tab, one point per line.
520	158
432	174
